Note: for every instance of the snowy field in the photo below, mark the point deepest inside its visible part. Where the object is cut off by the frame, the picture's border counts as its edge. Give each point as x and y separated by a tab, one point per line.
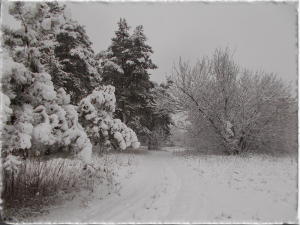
163	187
242	189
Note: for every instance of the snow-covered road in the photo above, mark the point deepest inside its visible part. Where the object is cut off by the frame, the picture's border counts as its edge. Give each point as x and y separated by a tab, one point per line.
147	196
168	189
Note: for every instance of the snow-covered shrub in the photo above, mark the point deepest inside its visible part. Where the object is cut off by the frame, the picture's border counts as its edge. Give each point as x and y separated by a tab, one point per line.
45	120
96	116
42	88
123	135
60	125
11	163
15	129
5	110
23	128
14	76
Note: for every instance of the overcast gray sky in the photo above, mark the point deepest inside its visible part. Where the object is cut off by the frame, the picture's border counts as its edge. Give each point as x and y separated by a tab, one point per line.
263	35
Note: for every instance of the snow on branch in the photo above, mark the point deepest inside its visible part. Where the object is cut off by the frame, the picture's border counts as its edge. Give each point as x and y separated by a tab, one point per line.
96	112
110	64
5	110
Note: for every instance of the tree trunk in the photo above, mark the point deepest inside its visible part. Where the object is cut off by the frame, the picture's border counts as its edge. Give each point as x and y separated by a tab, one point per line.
128	118
114	146
12	181
149	144
123	112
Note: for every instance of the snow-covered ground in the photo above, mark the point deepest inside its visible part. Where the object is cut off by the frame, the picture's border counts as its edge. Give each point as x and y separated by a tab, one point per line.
161	187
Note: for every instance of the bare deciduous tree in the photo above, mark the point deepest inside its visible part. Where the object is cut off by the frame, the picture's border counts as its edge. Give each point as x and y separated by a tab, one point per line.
242	110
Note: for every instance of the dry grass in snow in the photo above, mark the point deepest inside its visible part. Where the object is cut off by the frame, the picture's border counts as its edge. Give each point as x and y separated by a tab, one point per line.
62	183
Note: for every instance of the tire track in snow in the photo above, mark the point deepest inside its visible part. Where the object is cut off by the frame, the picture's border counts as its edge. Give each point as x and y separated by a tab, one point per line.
185	208
145	197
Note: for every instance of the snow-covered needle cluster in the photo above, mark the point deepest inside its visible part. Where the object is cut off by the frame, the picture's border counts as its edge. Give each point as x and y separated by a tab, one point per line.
48	120
96	111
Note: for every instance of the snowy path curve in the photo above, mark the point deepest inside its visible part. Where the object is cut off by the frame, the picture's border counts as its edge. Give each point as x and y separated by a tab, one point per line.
163	191
184	190
147	196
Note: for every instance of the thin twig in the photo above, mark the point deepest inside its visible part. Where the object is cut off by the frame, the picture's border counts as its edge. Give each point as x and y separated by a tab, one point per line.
94	167
52	208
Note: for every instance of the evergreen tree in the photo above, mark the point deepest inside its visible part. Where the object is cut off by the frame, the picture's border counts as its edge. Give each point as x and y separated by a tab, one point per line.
64	48
23	46
124	65
77	57
157	119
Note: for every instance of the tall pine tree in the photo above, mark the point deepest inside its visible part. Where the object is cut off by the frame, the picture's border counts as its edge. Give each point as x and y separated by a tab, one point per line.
125	65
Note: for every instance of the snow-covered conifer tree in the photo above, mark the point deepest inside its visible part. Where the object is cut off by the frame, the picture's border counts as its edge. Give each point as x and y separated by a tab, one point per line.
64	48
124	65
96	113
43	118
77	71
